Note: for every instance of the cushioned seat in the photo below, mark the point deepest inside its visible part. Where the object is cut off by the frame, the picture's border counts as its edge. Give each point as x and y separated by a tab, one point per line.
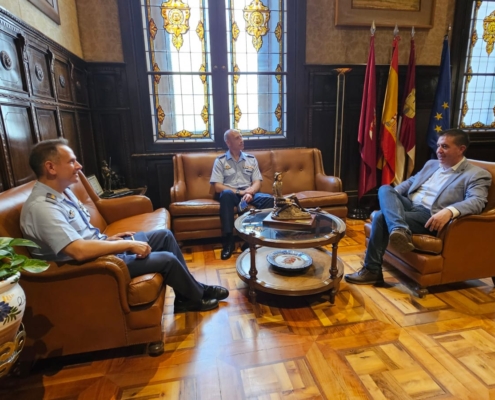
462	251
196	213
80	307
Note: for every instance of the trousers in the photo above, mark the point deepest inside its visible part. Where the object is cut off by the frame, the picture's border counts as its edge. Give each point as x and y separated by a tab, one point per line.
396	211
229	200
166	259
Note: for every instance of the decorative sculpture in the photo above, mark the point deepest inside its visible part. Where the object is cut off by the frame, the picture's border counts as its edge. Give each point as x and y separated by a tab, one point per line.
106	172
286	208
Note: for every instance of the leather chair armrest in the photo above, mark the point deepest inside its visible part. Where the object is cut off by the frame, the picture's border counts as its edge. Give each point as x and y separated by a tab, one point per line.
110	265
178	192
116	209
328	183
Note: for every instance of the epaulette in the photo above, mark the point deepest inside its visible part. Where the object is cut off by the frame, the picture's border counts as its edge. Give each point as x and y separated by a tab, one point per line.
249	155
51	198
220	157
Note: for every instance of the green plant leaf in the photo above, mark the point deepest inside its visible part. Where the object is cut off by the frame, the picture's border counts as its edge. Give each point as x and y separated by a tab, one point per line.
5	241
5	253
35	266
23	242
16	261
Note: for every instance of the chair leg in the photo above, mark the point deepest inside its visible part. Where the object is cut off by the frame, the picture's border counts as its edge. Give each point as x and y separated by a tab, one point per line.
422	292
493	280
155	349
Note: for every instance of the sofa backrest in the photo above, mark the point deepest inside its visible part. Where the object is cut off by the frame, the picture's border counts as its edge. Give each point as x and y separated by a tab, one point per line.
490	167
12	200
299	168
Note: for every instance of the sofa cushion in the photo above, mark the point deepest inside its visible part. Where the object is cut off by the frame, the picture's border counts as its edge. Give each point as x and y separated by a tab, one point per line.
195	207
142	222
315	198
144	289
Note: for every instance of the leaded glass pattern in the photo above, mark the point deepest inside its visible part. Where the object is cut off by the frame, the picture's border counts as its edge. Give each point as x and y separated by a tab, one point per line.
478	97
176	35
257	60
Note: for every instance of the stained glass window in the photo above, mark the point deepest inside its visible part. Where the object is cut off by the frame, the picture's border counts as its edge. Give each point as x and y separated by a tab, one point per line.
478	96
178	42
178	65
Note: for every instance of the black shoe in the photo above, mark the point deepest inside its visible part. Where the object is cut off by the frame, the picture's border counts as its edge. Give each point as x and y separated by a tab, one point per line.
215	292
202	305
401	240
365	277
228	248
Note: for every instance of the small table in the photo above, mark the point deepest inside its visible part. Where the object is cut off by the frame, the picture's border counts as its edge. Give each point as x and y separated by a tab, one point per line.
323	275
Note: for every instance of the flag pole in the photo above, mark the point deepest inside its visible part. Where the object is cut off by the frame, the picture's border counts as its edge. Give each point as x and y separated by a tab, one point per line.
367	132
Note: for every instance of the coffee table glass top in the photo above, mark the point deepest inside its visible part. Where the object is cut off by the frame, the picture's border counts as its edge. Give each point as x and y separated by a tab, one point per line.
325	228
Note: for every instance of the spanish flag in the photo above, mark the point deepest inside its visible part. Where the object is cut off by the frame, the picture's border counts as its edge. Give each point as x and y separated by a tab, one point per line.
388	131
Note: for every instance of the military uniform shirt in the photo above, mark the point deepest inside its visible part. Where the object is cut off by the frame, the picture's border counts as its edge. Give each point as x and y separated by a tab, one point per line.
236	174
53	221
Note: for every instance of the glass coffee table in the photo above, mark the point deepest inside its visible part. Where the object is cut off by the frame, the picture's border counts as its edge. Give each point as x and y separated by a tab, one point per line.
288	261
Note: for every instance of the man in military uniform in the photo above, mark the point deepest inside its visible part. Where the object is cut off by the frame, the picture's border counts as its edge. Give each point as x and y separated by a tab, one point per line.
57	221
236	177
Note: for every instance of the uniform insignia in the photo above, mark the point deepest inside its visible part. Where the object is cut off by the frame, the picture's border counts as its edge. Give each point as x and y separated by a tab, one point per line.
227	166
85	210
220	157
72	214
248	167
50	197
249	155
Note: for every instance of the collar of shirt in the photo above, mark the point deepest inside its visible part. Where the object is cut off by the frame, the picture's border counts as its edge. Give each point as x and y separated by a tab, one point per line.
44	189
228	156
454	168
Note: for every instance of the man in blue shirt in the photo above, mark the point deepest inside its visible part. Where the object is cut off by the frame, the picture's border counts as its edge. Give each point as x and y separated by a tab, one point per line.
58	222
236	177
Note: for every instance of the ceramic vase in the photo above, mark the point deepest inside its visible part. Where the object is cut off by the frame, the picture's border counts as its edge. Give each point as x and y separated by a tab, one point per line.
12	306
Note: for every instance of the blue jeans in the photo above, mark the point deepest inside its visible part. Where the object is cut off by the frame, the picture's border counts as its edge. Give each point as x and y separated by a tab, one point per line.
397	211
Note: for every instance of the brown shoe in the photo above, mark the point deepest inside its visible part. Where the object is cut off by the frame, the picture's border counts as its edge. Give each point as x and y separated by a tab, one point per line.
365	277
401	240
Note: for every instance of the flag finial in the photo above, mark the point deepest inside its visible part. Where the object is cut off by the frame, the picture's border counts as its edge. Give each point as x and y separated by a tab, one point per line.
412	32
373	28
396	31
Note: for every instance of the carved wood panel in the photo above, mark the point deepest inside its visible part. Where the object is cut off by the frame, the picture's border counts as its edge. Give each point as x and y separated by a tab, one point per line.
41	83
62	81
91	164
19	141
10	66
70	132
81	86
47	123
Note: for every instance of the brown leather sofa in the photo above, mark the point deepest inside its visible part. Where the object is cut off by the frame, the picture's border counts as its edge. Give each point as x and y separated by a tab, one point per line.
196	214
81	307
464	250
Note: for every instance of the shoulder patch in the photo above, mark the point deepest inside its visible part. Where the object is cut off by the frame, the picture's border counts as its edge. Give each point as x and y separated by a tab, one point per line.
50	197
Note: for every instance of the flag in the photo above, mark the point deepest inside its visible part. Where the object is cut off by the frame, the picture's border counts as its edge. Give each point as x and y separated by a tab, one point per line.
388	131
407	124
367	127
440	113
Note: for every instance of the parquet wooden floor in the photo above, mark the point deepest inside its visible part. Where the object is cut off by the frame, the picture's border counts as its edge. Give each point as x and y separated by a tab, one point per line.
373	343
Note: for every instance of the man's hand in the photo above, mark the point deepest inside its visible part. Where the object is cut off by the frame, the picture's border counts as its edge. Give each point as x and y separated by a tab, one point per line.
250	190
120	236
248	197
140	249
437	221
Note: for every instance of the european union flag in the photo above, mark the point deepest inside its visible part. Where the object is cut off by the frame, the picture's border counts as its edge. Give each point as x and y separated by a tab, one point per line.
440	113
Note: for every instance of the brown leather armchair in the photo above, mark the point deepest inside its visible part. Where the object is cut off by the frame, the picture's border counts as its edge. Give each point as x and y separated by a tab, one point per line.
462	251
81	307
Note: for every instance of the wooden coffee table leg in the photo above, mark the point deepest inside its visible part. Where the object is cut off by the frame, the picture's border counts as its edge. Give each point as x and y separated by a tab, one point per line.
253	272
333	273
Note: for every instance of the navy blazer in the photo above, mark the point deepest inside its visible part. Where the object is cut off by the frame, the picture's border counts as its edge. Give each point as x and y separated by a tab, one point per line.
466	189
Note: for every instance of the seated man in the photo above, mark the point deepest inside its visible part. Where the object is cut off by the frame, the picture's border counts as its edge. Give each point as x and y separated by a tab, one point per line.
444	189
236	176
56	220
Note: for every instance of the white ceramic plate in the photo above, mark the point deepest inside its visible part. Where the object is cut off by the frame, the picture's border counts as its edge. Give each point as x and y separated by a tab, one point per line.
289	259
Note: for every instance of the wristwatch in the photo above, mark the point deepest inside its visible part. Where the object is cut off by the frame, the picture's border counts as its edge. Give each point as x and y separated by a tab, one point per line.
238	192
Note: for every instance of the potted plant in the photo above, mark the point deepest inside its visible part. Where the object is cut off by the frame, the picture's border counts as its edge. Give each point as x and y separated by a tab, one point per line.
12	297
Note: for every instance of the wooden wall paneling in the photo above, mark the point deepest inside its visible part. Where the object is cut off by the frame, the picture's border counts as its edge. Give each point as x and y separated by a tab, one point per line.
40	73
47	123
62	81
80	86
19	138
91	163
6	174
10	64
69	128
